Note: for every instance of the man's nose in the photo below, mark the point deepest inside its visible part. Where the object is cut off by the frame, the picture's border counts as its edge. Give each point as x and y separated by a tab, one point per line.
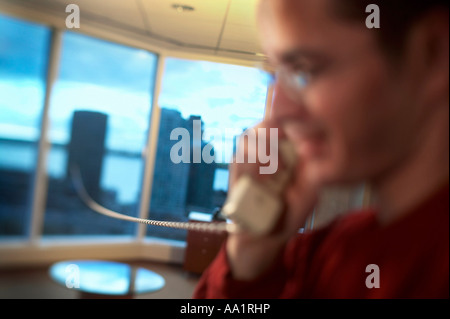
285	106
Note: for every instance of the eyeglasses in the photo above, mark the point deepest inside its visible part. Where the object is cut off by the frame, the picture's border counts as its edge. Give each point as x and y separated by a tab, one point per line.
293	82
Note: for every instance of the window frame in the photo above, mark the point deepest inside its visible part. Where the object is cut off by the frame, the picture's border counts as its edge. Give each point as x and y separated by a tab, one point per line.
34	248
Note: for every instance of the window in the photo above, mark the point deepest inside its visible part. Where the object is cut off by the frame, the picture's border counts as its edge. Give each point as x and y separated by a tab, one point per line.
213	103
99	118
23	62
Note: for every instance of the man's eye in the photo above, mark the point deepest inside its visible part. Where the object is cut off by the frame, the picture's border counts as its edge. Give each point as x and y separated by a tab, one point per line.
302	78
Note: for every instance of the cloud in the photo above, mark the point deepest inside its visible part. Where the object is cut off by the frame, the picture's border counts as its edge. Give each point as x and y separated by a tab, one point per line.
220	102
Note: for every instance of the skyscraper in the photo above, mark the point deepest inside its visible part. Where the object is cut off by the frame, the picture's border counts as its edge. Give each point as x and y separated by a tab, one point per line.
178	188
87	147
201	176
168	198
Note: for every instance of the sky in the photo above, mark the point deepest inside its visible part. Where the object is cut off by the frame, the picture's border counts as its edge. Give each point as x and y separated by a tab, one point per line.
102	76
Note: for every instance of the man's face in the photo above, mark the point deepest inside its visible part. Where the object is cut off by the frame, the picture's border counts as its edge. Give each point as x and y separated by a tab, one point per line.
354	120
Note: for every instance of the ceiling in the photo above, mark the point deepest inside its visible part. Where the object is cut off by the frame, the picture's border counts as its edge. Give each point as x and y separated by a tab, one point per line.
220	27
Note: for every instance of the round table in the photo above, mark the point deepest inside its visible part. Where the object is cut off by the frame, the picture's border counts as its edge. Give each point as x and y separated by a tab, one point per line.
105	279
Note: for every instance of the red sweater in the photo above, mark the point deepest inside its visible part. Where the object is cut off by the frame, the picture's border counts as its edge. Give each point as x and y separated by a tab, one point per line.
412	256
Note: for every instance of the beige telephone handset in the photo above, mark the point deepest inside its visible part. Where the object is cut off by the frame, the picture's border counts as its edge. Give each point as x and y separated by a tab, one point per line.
256	207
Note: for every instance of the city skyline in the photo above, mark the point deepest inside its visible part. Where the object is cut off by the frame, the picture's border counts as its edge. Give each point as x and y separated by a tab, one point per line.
177	188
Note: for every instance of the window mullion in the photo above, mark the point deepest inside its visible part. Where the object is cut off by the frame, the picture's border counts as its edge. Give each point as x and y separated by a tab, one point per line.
40	180
151	148
269	100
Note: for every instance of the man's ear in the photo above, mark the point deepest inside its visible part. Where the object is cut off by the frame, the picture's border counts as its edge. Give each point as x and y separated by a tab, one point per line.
434	47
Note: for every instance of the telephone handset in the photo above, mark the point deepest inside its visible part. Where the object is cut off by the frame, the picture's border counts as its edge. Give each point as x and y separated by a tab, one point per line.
256	207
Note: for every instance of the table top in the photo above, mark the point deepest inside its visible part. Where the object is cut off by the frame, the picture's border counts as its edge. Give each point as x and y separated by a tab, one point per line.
105	277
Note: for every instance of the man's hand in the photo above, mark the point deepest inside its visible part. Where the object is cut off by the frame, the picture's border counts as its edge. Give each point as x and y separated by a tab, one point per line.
250	255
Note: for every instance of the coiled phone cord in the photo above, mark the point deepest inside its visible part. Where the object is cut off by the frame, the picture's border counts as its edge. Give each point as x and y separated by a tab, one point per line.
194	226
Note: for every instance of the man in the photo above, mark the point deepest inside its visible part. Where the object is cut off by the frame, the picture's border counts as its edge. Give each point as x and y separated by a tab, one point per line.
359	104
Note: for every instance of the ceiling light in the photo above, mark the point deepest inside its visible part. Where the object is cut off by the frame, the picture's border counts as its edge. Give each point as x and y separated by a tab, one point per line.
182	7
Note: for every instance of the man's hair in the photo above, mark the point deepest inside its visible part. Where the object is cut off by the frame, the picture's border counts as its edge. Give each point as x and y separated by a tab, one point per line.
397	17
